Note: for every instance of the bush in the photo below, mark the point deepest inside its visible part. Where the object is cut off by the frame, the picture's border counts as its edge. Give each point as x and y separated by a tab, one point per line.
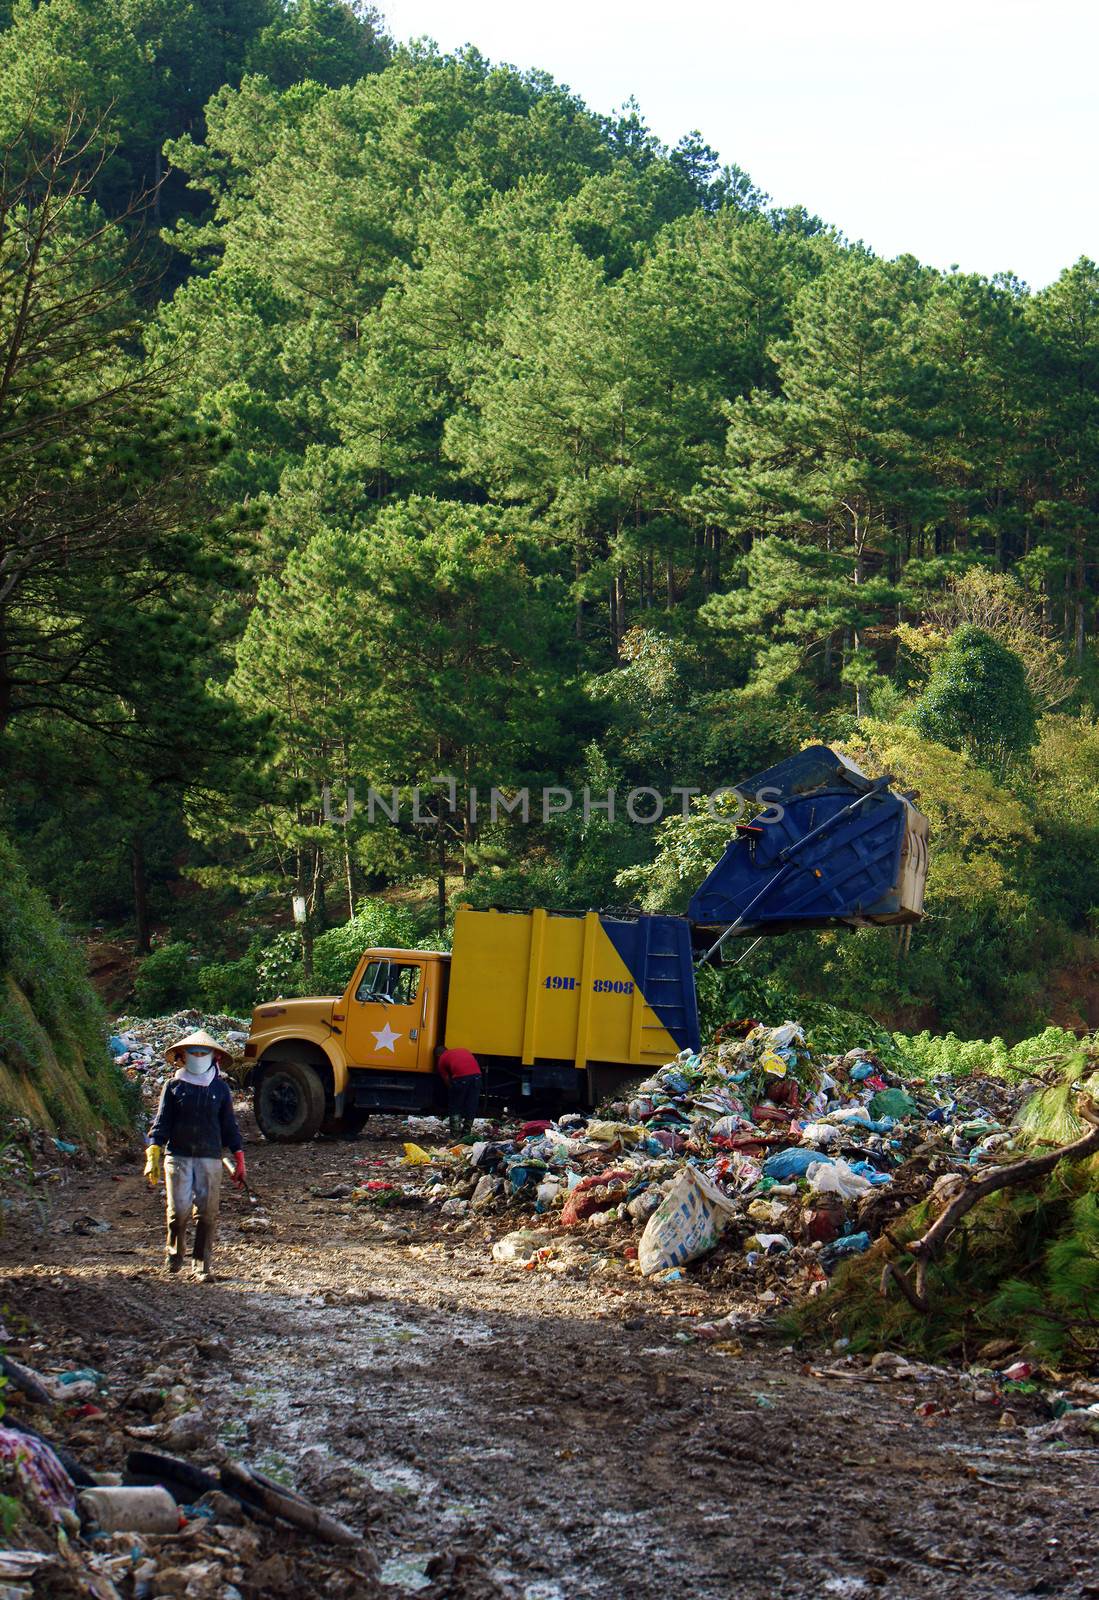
926	1055
230	986
724	993
278	965
166	980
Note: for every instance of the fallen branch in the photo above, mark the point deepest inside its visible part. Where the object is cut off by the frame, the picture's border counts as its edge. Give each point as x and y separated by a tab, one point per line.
254	1488
927	1248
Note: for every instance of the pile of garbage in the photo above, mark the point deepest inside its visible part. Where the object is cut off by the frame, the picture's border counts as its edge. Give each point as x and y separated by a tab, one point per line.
138	1045
796	1161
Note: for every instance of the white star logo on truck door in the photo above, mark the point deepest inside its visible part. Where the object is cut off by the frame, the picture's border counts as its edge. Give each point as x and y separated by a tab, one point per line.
385	1038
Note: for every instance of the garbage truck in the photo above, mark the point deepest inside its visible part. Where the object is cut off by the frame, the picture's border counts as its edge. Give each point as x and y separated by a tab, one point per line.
561	1006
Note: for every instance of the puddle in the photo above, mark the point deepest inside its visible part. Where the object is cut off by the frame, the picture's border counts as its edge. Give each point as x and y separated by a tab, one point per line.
399	1480
406	1572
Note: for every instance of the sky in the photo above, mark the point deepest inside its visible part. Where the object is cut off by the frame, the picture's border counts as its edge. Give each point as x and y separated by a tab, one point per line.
961	131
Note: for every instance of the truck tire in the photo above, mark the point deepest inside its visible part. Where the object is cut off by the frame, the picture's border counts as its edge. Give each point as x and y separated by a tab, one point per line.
289	1102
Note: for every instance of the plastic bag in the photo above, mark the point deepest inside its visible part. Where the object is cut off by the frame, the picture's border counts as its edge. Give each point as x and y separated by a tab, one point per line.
608	1132
850	1114
896	1103
850	1244
416	1156
823	1133
768	1244
642	1206
773	1064
865	1170
792	1163
836	1177
687	1222
518	1247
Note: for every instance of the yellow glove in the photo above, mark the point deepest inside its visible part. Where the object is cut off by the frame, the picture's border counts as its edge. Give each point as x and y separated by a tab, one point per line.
152	1164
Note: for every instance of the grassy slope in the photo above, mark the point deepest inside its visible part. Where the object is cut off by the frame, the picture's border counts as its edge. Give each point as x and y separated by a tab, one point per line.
54	1066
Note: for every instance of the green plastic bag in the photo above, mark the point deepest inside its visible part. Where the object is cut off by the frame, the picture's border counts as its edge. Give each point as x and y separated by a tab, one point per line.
895	1103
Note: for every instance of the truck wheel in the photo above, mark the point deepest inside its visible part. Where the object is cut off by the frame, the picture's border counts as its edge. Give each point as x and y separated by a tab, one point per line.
352	1121
289	1102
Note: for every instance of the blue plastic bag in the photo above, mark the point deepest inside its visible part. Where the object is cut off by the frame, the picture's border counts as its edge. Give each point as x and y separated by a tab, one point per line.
794	1163
851	1244
865	1170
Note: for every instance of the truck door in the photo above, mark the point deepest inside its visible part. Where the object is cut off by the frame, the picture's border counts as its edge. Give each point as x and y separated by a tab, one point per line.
384	1022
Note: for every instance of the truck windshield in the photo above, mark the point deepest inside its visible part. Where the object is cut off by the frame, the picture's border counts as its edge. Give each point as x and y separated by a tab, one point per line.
391	982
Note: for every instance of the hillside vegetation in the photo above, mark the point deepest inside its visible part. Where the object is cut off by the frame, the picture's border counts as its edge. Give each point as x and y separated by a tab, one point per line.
54	1066
372	414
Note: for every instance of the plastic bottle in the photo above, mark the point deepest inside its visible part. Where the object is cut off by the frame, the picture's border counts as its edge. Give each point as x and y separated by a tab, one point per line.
130	1510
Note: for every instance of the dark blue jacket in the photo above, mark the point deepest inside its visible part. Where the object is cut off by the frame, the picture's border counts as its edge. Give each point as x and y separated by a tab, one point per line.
196	1119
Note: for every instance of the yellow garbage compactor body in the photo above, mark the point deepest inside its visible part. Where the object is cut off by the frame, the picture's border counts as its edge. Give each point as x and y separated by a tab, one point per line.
568	1005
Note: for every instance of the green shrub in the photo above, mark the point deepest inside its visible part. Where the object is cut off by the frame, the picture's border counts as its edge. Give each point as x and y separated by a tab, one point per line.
11	1514
926	1055
725	993
166	979
278	965
230	986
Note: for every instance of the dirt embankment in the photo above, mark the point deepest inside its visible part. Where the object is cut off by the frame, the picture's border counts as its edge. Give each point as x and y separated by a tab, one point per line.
550	1436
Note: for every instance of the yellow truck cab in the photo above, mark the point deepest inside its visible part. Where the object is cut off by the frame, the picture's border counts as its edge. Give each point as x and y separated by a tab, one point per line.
557	1007
326	1063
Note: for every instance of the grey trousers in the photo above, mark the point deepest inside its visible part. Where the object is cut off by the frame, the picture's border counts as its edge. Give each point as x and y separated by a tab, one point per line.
192	1182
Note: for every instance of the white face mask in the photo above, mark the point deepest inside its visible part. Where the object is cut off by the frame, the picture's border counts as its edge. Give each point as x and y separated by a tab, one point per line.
198	1065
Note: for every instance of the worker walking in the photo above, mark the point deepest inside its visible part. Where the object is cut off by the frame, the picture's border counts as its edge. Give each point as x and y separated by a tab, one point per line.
461	1072
194	1122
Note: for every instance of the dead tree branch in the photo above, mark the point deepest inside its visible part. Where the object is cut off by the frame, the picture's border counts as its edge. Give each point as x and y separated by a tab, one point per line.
927	1248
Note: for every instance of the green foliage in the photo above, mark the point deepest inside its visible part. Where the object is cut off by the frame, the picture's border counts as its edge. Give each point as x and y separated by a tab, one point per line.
228	987
278	965
375	923
326	40
926	1055
11	1514
473	437
52	1027
273	966
166	979
977	699
728	992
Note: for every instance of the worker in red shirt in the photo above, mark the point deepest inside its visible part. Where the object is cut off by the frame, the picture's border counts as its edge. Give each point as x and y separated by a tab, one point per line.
461	1072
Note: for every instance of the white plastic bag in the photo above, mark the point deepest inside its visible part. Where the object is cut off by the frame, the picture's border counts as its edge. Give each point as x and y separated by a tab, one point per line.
822	1133
687	1222
836	1177
518	1247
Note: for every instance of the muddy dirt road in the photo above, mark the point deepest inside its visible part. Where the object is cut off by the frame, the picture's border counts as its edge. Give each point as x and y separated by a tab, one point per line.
554	1433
